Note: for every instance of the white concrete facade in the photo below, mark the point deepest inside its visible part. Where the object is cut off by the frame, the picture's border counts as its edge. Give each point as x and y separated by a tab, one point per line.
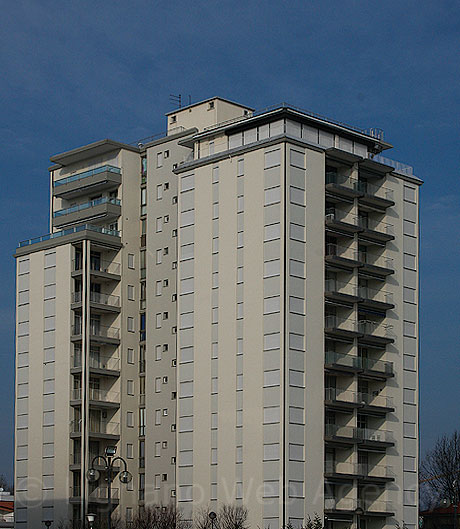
234	306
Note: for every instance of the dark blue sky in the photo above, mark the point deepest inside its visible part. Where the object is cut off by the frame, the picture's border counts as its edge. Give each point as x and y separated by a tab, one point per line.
73	73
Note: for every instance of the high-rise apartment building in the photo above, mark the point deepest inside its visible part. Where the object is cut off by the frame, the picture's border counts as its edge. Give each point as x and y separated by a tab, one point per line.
233	306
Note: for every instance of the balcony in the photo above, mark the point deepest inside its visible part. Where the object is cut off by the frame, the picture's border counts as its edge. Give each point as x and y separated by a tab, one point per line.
342	362
366	436
375	299
97	429
375	264
375	230
98	495
342	186
75	462
341	256
71	234
374	195
341	292
105	208
98	333
337	220
347	505
98	300
375	333
377	368
341	327
377	402
102	365
97	397
106	177
99	268
342	399
364	472
376	507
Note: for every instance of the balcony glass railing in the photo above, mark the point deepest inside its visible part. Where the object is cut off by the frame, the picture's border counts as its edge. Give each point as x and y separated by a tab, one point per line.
99	362
372	190
338	287
375	260
99	265
335	250
375	225
358	434
335	215
371	399
100	395
340	504
375	295
87	205
98	297
342	396
378	366
374	328
340	324
358	469
343	181
102	427
343	360
86	174
99	331
369	505
70	231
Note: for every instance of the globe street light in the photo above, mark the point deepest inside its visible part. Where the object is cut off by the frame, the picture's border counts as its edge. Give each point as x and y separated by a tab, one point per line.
93	475
90	518
47	523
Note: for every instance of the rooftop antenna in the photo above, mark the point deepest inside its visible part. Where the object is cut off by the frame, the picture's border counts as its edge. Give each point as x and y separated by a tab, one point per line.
176	99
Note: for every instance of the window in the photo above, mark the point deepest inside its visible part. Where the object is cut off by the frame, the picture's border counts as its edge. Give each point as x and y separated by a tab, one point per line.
166	154
159	159
157	417
166	219
158	320
158	288
130	419
157	384
173	119
130	324
272	158
272	195
159	192
159	224
211	148
130	387
165	412
130	292
159	257
165	282
130	356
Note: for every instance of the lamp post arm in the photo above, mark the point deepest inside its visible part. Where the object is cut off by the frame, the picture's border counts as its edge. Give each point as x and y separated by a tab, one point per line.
118	458
96	458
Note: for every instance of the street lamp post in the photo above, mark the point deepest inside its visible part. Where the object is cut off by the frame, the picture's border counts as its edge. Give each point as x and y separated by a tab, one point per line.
47	523
93	475
90	518
359	512
212	516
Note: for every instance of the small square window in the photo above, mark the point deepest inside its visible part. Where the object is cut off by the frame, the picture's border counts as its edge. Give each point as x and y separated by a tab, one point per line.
164	444
165	315
173	427
174	330
173	462
165	282
165	412
173	119
173	395
166	219
165	380
173	362
166	155
165	251
164	477
174	199
174	297
211	105
166	184
165	347
174	233
174	265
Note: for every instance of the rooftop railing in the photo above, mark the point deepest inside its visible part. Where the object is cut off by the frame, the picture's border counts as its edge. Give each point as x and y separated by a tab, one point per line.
87	205
70	231
86	174
399	167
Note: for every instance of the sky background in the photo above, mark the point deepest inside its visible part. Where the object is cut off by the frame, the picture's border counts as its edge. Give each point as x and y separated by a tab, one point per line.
77	72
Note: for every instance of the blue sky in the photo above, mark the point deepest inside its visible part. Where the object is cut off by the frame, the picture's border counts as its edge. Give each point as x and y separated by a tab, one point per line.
77	72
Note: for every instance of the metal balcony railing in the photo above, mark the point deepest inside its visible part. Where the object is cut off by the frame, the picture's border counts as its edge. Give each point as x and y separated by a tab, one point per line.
375	225
375	328
86	174
332	285
70	231
373	190
111	363
358	434
87	205
98	265
100	331
332	321
95	427
99	395
371	399
359	469
372	294
347	432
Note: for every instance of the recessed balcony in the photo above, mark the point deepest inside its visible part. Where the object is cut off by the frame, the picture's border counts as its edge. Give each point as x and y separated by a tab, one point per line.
364	472
98	334
371	437
100	268
375	299
106	208
378	368
97	429
104	178
338	220
100	398
375	195
376	402
341	399
375	230
376	507
99	365
343	505
342	256
375	264
375	333
98	495
99	301
349	434
343	186
341	292
341	327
